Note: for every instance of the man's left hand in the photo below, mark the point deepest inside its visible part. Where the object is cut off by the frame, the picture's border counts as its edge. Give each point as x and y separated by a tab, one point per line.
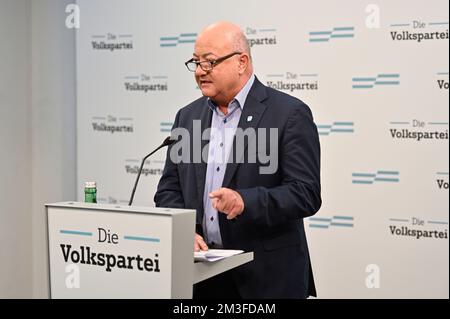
227	201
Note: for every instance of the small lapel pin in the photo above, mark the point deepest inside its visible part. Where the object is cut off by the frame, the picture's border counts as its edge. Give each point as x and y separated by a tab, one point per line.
249	118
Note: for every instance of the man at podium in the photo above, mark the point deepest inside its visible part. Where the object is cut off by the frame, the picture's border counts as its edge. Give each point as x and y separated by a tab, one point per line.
255	177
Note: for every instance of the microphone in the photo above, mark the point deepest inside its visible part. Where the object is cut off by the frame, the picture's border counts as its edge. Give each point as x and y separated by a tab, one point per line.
168	141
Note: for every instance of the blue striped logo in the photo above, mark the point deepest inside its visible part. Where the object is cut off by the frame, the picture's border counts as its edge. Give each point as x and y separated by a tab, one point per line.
173	41
327	222
75	232
141	238
335	128
335	34
378	177
383	79
437	222
165	127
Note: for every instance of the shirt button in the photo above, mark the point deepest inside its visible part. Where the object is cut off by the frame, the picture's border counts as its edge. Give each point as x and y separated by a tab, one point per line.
221	144
218	168
225	120
212	218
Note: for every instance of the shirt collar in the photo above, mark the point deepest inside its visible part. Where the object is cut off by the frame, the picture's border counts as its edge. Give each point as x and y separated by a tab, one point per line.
241	97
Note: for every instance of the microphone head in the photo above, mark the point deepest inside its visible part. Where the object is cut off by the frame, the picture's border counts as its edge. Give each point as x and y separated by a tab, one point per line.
168	141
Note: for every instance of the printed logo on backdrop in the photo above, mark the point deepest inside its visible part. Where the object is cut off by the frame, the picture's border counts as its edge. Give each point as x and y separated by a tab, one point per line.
151	167
335	128
291	82
165	127
144	83
261	36
419	31
418	130
442	180
335	221
375	81
418	228
88	256
332	34
442	80
111	200
112	124
112	42
176	40
378	177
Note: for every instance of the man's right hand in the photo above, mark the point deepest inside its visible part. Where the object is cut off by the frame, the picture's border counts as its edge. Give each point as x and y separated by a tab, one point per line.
199	243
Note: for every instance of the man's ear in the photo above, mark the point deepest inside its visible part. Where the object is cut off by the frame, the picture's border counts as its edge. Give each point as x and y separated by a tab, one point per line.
243	63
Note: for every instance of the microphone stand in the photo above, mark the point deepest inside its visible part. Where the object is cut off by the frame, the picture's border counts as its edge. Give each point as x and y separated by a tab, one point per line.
168	141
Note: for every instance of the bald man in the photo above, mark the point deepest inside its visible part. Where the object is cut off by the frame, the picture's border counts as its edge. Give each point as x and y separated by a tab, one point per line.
243	203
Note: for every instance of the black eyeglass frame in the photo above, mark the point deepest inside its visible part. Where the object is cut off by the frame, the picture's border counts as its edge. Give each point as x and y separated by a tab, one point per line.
211	63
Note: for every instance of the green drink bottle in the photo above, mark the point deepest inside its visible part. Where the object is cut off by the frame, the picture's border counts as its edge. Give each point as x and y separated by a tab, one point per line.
90	192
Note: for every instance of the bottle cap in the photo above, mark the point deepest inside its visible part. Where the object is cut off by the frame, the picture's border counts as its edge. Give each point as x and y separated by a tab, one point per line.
90	185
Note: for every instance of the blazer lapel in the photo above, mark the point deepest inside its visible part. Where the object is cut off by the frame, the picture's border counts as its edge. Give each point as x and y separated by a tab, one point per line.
200	168
250	117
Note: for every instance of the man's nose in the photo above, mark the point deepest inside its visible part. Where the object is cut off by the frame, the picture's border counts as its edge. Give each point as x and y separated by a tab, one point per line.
199	71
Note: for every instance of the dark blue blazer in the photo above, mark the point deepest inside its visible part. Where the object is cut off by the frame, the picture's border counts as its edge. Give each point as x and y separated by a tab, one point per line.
272	222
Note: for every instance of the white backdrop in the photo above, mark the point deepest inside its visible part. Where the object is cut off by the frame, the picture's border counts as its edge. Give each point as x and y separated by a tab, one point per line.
376	78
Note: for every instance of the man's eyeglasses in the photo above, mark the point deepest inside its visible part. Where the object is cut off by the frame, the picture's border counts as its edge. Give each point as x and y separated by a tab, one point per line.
207	65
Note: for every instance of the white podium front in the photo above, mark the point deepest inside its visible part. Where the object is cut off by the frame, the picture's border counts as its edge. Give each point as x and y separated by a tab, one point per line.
112	251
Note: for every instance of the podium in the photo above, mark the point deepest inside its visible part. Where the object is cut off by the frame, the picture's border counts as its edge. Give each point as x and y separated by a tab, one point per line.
114	251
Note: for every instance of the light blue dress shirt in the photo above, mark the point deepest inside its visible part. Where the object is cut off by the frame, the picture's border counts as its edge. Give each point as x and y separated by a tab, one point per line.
223	129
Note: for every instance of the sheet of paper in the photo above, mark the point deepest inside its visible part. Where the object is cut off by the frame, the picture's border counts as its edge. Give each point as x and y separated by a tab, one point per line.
215	254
